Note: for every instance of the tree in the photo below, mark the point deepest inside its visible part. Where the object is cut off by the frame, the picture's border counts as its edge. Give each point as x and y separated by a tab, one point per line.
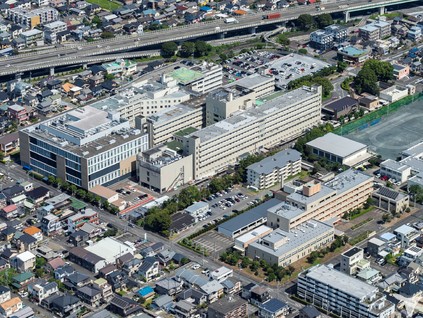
312	257
202	48
89	197
341	66
107	35
81	193
324	20
327	86
73	188
305	22
366	81
169	49
283	39
386	218
158	221
187	49
302	51
97	21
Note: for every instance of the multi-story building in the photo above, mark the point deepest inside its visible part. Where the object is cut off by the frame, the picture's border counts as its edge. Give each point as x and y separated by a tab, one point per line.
353	55
286	247
85	146
325	39
42	290
261	85
51	30
277	121
375	31
162	169
229	307
17	112
341	294
79	219
144	98
406	235
273	169
223	102
32	18
50	224
199	79
321	201
163	125
32	37
414	34
351	261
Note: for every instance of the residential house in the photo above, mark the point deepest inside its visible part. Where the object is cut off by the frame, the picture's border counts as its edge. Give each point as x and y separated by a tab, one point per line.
38	195
20	281
213	289
132	266
63	272
90	295
168	286
273	308
55	264
118	280
41	290
26	242
164	302
193	295
123	306
64	305
231	286
11	306
18	113
259	295
184	309
23	262
105	288
9	212
9	143
78	238
149	268
5	294
34	232
77	280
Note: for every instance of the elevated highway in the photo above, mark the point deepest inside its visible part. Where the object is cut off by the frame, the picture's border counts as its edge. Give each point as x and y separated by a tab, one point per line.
77	53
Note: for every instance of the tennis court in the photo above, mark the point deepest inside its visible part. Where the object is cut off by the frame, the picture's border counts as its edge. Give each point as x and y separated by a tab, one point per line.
394	132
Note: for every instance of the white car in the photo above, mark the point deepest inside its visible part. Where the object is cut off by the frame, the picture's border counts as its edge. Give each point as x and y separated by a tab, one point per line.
195	266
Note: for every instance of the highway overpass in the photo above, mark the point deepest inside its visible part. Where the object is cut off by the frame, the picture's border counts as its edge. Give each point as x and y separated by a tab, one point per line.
73	54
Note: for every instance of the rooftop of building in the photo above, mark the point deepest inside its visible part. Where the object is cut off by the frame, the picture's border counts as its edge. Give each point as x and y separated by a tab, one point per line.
340	281
196	206
352	51
85	131
285	101
253	81
352	251
394	165
251	216
227	304
186	76
254	234
169	114
337	145
109	248
83	214
296	237
405	230
279	160
160	156
416	150
286	210
342	103
229	93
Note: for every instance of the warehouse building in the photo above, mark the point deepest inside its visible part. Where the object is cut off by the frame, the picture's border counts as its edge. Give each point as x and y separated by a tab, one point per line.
339	149
277	121
85	147
273	169
341	294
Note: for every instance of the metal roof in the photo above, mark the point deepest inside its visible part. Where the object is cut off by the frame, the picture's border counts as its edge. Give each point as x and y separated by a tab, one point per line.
337	145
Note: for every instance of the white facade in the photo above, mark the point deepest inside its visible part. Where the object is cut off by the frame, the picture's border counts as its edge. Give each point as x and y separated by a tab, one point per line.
394	93
343	295
163	125
198	209
274	169
221	274
144	98
211	78
395	170
282	119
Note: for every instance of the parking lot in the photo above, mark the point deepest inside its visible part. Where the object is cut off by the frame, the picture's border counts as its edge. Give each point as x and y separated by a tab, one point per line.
292	67
247	63
213	242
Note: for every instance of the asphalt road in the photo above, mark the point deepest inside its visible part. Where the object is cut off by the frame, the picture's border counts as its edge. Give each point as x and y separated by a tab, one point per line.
58	56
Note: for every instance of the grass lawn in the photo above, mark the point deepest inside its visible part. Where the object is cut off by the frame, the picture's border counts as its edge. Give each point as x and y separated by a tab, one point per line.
106	4
362	212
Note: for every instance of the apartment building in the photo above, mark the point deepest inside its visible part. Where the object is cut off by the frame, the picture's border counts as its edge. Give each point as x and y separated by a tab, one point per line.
32	18
341	294
79	219
161	169
51	30
163	125
85	146
349	190
325	39
199	79
33	37
377	30
286	247
274	169
144	98
277	121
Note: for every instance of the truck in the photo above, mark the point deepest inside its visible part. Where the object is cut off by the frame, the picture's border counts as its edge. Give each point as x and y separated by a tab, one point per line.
271	16
319	8
231	20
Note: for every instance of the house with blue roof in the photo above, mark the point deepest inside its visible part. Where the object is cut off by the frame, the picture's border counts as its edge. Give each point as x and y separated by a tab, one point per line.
146	292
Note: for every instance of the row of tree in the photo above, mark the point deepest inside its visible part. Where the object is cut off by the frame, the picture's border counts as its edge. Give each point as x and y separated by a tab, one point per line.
339	241
306	22
271	272
188	49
